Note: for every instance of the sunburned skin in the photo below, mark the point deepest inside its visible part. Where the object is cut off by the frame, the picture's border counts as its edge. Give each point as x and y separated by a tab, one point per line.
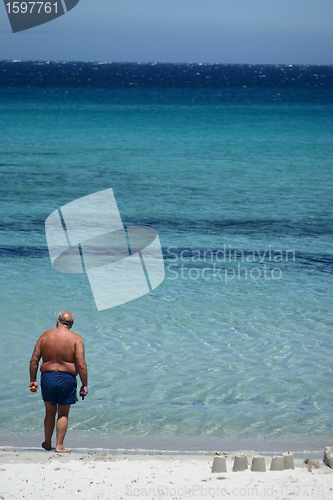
62	350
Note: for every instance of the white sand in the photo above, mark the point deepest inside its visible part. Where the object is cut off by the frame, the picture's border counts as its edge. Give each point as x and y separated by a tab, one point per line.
48	475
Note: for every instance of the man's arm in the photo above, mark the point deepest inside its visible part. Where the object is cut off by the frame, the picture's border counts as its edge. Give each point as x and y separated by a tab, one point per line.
36	355
81	364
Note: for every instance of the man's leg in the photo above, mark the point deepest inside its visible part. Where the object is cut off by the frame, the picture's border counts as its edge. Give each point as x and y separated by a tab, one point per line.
49	421
62	423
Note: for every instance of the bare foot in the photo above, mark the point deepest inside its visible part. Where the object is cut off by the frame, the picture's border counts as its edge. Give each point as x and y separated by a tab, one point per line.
47	448
62	450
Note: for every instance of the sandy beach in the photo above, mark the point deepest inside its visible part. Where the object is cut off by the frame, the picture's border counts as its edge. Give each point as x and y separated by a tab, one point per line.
102	475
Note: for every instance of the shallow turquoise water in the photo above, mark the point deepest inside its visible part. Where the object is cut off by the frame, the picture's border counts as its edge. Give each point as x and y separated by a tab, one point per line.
216	351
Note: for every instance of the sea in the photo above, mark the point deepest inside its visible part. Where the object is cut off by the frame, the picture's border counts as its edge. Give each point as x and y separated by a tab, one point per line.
232	165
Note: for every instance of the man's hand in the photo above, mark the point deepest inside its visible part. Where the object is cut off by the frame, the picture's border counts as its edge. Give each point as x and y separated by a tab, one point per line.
33	386
83	391
36	355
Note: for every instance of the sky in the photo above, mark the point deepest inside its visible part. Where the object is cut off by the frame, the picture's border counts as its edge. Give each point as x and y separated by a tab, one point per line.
206	31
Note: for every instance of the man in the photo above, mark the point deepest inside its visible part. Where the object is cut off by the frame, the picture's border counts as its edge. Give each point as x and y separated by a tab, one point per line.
63	358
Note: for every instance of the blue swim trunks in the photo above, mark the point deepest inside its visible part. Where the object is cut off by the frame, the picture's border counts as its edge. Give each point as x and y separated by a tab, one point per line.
59	387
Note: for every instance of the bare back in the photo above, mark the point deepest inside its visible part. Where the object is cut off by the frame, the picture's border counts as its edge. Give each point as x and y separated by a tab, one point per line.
61	349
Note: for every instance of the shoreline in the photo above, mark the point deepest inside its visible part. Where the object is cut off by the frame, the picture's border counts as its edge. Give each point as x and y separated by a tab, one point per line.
141	452
170	445
77	451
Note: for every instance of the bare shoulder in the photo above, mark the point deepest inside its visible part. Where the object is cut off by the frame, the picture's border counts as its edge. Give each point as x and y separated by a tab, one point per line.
45	334
77	338
48	332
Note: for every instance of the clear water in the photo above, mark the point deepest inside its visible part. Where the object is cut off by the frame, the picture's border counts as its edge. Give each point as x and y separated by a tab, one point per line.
235	345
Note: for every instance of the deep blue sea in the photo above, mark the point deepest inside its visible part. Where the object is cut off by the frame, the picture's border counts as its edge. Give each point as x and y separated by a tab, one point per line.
233	166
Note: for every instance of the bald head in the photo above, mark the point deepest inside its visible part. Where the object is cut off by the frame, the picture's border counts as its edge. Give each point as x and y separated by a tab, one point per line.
66	318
